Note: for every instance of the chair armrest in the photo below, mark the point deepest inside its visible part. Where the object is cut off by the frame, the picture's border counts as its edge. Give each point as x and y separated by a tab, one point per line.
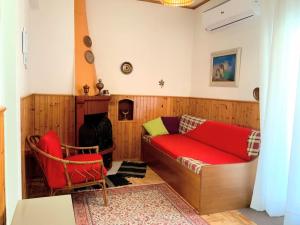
108	150
67	148
67	161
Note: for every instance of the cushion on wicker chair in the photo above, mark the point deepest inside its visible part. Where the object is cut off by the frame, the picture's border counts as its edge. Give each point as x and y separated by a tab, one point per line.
84	173
54	171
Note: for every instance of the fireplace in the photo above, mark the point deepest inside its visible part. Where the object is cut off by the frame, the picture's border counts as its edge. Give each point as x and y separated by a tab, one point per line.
93	126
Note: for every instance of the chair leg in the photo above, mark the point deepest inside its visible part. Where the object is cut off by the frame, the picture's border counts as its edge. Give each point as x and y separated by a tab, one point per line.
104	193
52	192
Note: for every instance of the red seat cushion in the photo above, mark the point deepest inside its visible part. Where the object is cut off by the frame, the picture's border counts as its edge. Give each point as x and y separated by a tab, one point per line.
179	145
226	137
90	172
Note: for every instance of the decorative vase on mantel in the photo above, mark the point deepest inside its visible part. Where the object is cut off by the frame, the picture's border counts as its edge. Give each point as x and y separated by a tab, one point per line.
86	89
99	86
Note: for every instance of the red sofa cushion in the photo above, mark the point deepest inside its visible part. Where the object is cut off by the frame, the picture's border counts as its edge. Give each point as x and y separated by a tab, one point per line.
179	145
226	137
54	171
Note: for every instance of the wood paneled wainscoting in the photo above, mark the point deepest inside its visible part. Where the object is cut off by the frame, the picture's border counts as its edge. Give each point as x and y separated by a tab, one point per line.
2	171
41	112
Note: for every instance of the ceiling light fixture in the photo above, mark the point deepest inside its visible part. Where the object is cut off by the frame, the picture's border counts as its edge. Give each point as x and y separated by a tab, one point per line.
177	2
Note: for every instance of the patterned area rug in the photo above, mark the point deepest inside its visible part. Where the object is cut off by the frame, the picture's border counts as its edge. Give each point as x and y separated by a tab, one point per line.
135	205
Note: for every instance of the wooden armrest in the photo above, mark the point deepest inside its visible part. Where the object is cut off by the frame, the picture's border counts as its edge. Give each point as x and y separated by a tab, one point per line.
109	150
67	148
80	148
66	161
96	148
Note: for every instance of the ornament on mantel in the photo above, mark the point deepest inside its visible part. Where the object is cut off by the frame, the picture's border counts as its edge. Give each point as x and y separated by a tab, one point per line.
99	86
161	83
86	89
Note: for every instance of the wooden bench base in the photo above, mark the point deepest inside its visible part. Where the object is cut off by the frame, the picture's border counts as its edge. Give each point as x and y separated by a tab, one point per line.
217	188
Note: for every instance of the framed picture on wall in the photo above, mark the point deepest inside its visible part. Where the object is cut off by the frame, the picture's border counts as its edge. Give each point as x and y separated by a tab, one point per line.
225	68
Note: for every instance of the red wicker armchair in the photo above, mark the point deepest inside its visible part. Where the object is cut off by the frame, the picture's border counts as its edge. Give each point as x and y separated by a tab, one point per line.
64	168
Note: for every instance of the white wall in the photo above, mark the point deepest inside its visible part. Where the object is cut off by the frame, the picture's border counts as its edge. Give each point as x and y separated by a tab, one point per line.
244	34
51	46
11	73
1	56
157	40
161	43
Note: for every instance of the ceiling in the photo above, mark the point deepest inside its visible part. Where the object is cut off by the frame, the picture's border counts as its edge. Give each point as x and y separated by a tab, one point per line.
195	5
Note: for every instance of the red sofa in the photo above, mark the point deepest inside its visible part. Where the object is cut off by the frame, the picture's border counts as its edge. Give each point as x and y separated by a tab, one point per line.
211	164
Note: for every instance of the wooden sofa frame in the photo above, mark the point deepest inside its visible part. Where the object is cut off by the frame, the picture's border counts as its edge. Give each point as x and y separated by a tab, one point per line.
217	188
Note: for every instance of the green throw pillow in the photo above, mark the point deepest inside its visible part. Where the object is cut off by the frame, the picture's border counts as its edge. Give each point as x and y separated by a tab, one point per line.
155	127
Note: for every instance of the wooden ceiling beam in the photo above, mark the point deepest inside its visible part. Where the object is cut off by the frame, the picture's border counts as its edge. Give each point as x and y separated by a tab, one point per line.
199	4
188	7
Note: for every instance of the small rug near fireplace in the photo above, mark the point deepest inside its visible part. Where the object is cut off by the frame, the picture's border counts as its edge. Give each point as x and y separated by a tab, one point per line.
134	205
116	180
133	169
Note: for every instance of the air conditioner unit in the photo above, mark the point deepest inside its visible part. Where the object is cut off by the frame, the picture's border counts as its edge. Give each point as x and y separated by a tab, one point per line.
229	12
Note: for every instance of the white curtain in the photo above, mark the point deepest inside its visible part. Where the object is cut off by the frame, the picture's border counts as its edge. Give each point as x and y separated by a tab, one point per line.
277	186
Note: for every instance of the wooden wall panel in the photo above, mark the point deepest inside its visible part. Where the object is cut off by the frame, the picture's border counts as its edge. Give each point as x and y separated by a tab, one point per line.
127	134
242	113
27	128
57	112
2	170
39	114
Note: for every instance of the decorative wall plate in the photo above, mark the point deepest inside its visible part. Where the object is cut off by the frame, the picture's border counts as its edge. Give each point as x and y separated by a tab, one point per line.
89	56
126	68
87	41
256	93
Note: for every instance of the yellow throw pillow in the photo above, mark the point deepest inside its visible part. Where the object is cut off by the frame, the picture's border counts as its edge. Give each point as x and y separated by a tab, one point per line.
155	127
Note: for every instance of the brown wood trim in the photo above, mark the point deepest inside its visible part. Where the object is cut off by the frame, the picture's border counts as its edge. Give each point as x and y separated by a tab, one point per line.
151	1
184	97
135	95
200	4
227	100
45	94
187	7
